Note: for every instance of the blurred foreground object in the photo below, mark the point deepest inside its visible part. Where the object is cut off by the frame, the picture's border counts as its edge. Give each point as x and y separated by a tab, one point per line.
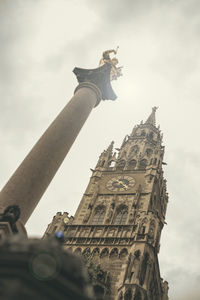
41	269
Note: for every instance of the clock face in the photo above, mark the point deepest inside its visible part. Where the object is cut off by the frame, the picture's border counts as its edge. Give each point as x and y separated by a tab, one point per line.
120	183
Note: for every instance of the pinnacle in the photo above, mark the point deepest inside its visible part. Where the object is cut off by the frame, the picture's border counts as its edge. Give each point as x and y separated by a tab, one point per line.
152	118
110	147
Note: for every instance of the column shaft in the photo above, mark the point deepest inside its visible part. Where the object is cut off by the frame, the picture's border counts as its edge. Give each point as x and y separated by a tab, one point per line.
31	179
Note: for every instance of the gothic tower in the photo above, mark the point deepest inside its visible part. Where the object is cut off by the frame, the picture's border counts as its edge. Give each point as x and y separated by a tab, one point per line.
121	215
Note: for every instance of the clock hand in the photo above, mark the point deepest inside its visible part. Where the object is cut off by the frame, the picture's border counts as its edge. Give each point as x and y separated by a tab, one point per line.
122	183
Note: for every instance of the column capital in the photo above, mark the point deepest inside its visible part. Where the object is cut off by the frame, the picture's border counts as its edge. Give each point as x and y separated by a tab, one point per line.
99	77
91	86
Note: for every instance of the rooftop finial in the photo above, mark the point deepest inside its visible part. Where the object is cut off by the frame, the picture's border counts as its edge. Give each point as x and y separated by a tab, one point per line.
152	118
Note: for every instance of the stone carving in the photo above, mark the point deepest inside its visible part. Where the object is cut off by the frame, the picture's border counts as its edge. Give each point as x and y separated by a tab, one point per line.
110	213
115	71
88	214
133	266
131	218
11	214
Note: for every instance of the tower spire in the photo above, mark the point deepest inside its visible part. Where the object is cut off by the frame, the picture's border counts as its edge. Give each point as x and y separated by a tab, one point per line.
152	118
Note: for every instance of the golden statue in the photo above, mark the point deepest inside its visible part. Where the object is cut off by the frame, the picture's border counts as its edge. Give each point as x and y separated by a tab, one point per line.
115	71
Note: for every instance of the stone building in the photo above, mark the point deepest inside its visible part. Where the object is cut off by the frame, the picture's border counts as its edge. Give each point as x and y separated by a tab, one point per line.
121	215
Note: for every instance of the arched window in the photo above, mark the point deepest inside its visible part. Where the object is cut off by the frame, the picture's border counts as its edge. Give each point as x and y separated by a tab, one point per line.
77	251
123	253
121	215
143	164
135	149
149	152
95	252
104	253
114	253
128	295
132	164
103	163
143	133
151	135
99	215
120	165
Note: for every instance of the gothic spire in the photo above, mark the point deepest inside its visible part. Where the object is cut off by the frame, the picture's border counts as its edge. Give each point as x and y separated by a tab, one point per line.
152	118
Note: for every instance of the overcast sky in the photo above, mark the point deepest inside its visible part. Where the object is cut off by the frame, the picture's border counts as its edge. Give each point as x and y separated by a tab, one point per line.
41	41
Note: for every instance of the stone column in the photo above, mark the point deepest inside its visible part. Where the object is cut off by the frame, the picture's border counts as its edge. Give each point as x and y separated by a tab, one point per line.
31	179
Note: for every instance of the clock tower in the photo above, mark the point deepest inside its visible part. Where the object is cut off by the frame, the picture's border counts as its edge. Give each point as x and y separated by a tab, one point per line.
121	215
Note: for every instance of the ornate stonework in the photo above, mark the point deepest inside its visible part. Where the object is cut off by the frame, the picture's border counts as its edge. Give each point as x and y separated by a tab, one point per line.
122	213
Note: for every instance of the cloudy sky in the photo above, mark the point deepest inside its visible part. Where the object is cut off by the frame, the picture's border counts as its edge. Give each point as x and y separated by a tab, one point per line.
41	41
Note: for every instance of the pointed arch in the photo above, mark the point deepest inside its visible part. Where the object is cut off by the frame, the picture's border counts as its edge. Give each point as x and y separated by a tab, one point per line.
114	253
78	251
111	164
123	253
120	164
149	152
104	253
121	215
134	150
143	164
86	251
103	163
95	252
132	164
99	215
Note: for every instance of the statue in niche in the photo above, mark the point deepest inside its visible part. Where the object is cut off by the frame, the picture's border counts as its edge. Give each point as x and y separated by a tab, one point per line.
115	71
143	270
152	229
133	266
110	213
131	217
88	214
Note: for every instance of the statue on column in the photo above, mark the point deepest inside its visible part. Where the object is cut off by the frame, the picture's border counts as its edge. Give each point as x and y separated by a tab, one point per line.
115	71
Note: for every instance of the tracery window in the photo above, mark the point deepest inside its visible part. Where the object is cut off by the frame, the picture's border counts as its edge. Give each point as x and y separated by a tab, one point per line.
99	215
132	163
120	165
135	149
121	215
143	164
